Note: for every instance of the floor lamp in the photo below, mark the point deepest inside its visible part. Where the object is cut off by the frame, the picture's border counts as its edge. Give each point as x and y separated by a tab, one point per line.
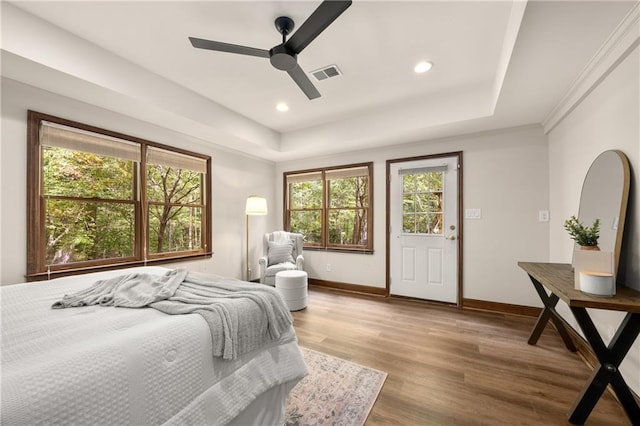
256	206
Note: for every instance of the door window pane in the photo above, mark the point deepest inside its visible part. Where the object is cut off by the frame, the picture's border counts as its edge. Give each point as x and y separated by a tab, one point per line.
422	203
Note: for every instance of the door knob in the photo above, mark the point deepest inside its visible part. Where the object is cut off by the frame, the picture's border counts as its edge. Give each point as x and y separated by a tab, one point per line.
451	237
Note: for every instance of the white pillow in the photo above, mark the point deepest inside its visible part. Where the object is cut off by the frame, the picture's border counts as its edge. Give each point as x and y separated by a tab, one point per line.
280	252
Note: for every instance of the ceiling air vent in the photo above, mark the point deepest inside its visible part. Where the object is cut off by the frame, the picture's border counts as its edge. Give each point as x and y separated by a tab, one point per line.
326	72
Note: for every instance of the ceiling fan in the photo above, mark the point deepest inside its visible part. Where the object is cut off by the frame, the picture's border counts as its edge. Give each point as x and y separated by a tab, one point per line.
284	56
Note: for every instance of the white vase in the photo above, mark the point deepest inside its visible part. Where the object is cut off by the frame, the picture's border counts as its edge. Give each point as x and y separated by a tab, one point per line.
597	283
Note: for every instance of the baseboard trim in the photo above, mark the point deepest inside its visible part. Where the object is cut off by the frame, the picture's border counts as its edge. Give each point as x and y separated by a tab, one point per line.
505	308
351	288
584	350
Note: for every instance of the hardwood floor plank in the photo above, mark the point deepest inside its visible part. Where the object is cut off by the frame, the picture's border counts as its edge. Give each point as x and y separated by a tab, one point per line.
449	366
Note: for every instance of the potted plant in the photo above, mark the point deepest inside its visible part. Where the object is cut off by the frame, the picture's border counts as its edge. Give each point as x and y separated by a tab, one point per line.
585	236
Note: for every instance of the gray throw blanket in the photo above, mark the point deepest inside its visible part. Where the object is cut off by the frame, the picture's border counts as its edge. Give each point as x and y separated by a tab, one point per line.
241	316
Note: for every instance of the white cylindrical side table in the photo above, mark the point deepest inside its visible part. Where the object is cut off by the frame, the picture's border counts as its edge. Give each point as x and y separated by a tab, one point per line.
292	286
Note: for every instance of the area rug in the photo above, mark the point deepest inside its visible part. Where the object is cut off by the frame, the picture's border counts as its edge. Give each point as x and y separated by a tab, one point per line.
336	392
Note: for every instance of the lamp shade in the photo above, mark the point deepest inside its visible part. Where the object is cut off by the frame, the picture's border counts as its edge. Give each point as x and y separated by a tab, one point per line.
256	206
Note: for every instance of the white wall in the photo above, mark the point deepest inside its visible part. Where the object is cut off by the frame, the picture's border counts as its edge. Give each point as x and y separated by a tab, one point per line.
505	174
608	118
234	178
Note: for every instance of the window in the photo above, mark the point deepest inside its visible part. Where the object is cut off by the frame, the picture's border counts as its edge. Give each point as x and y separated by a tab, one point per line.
98	199
331	207
174	201
422	201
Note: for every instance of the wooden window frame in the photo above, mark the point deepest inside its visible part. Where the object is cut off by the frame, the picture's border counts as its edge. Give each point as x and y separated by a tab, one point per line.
324	244
37	268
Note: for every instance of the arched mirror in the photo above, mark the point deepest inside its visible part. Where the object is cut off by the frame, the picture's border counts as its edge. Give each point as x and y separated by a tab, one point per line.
605	193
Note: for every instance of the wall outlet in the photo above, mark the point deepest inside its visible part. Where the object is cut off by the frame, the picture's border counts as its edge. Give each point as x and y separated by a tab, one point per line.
327	267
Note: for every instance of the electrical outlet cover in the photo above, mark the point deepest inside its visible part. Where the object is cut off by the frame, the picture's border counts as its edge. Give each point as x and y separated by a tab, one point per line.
543	215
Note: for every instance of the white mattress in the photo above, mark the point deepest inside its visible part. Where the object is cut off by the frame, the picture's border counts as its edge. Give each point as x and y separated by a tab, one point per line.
104	365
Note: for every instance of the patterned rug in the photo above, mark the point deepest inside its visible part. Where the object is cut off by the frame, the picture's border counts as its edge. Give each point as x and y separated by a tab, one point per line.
336	392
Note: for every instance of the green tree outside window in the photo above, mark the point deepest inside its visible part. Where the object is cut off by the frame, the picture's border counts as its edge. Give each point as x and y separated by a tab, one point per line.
331	207
93	207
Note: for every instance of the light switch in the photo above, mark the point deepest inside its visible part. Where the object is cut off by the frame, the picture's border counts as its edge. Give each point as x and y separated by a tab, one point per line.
472	213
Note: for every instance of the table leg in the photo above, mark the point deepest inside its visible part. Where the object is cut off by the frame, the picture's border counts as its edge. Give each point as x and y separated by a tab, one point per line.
549	312
607	372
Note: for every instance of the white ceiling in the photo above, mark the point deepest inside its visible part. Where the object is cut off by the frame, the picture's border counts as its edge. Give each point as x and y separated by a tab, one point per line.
497	64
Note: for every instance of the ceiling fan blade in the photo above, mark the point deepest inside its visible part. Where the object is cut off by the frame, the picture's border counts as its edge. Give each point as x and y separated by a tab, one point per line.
301	79
320	19
226	47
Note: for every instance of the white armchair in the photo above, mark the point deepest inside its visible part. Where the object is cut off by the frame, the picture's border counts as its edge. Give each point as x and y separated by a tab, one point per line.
282	251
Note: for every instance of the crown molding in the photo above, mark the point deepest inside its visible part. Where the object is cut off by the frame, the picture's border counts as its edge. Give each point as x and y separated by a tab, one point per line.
622	41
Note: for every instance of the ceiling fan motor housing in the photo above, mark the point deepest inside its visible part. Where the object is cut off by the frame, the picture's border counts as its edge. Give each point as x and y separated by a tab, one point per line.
283	59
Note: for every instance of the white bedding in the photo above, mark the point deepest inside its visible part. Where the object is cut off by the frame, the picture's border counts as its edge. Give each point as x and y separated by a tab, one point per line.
104	365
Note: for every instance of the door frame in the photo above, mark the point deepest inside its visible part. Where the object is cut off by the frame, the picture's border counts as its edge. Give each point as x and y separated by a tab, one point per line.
458	155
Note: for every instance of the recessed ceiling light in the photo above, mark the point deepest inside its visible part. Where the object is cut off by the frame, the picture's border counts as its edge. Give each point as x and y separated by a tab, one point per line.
423	66
282	107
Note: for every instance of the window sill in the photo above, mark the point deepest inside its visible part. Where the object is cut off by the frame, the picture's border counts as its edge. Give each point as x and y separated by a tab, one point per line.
69	271
339	250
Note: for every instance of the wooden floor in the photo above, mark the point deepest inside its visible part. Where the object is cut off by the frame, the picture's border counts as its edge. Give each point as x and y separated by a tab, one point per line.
448	366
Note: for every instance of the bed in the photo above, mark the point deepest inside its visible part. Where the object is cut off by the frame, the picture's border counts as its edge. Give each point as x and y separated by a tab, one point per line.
112	365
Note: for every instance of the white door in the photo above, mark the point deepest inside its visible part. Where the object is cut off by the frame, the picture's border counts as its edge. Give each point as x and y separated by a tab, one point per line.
423	213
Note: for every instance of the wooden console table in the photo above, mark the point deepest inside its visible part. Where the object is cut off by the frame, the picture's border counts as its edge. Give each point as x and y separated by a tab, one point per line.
559	280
